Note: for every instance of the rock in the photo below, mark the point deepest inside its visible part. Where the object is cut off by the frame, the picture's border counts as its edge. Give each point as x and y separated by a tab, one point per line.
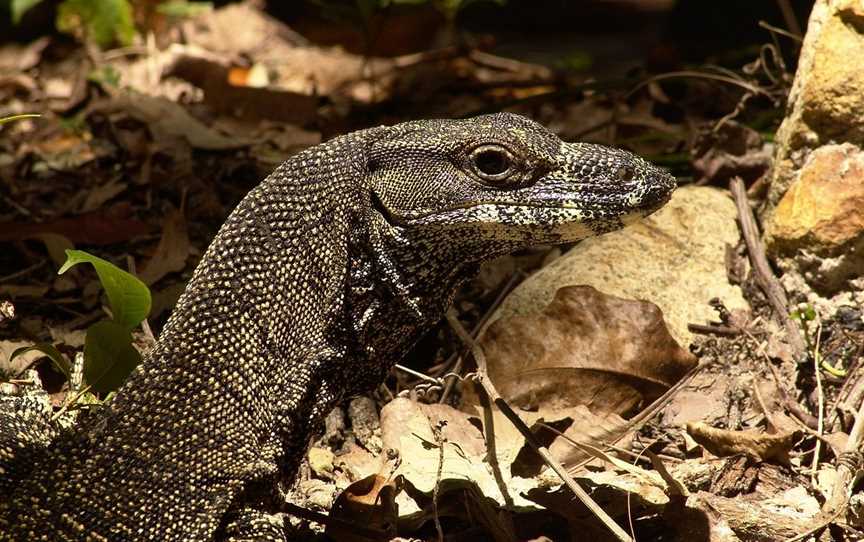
819	222
365	423
813	217
825	102
675	259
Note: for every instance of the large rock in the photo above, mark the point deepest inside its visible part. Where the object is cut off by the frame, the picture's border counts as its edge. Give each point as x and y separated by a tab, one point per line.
814	217
825	103
674	259
825	206
818	227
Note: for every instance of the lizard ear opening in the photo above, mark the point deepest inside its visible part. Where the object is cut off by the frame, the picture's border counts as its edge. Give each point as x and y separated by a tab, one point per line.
382	209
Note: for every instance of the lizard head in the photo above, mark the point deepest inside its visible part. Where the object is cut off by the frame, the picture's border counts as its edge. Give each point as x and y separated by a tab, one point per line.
503	177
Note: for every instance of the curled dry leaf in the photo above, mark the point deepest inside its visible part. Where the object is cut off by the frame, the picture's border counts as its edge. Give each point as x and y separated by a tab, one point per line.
762	446
369	503
585	348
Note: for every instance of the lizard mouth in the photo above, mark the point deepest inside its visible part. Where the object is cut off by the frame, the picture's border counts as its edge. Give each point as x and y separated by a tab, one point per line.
644	203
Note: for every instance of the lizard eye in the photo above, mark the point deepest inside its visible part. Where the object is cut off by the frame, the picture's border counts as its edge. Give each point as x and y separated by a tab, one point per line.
492	163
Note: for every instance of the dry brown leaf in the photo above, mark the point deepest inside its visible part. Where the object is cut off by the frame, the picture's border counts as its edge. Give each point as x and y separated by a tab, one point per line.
172	251
97	196
56	245
103	227
61	150
371	503
406	427
762	446
15	291
168	121
586	348
229	89
781	518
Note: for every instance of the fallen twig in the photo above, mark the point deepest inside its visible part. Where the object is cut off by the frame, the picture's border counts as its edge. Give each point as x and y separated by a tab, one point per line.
764	276
714	330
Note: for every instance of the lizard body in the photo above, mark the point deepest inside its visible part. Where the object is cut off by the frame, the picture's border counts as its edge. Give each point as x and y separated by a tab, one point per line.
318	282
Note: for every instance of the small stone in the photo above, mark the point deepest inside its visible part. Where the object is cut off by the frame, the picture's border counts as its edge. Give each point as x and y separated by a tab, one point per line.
334	428
318	495
321	462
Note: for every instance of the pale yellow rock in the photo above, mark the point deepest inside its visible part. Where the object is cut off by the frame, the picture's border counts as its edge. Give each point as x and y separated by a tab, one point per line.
321	461
824	208
675	259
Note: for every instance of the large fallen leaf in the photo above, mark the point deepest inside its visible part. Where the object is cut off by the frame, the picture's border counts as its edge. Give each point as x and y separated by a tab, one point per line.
585	348
369	503
232	90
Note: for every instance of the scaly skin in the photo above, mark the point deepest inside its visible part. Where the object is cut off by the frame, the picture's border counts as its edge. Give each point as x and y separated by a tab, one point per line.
317	283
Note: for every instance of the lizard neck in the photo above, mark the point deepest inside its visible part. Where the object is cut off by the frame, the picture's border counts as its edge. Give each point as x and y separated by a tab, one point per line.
402	281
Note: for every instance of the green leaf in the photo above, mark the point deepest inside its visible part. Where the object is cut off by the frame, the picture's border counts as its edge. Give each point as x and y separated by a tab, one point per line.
105	75
109	356
53	354
804	313
182	9
104	21
19	7
128	297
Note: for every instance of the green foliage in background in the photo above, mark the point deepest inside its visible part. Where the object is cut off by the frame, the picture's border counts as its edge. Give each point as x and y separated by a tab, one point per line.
361	12
110	22
104	22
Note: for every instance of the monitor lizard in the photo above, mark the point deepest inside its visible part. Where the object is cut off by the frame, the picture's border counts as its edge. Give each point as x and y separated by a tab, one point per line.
317	283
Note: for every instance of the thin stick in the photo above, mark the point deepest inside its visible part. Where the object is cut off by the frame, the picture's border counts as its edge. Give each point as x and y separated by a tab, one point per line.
848	465
23	272
417	374
478	332
439	440
789	16
806	419
821	408
764	276
496	399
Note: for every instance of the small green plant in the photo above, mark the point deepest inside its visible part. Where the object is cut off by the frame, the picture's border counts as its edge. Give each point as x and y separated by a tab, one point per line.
804	314
109	356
